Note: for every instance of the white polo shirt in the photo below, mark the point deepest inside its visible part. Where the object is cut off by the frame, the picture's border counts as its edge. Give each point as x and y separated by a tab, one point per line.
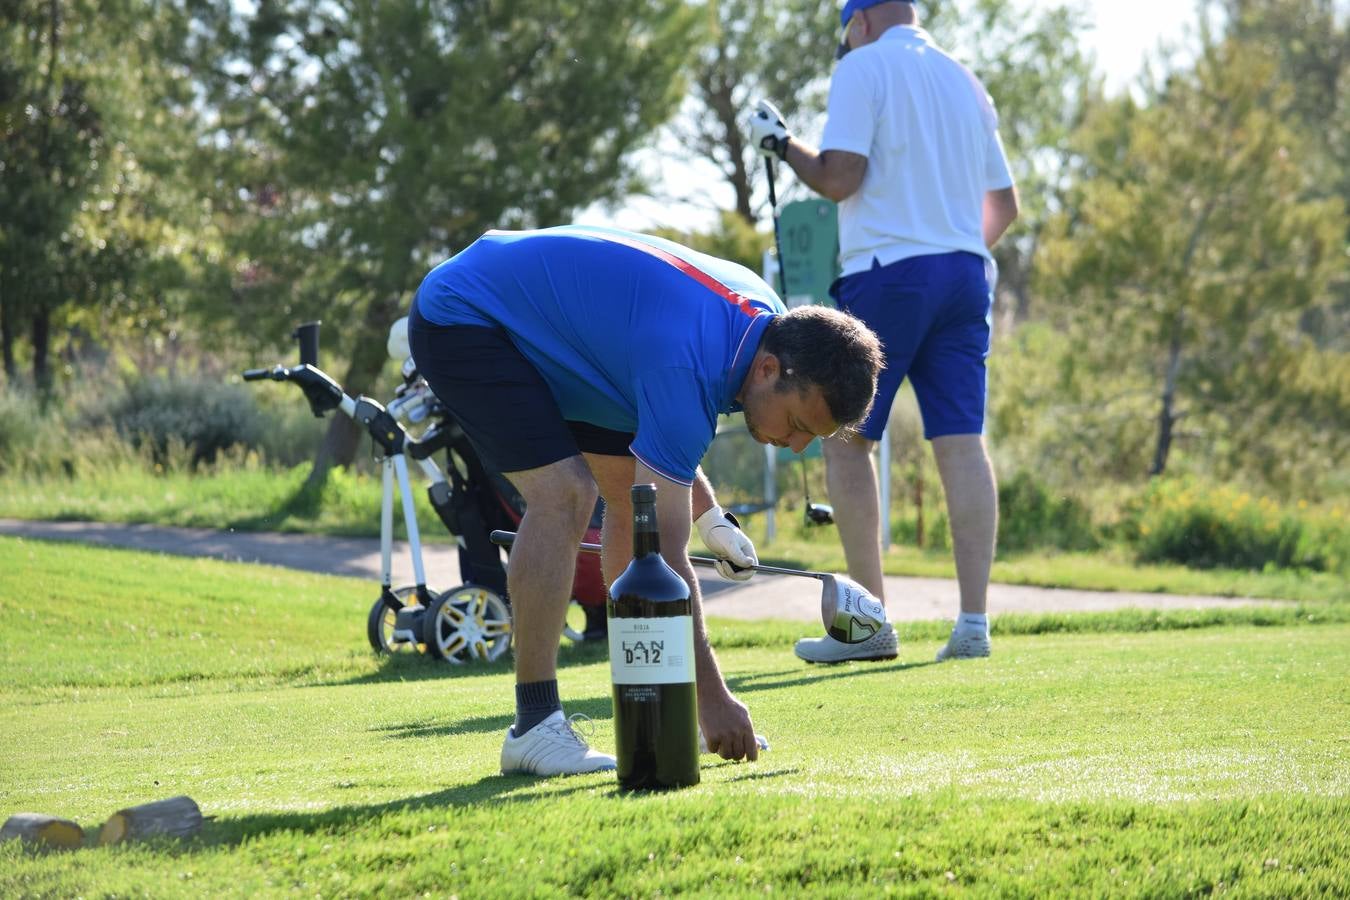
929	131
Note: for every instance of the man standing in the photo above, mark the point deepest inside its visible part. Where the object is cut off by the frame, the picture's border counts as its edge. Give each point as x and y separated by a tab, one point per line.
581	360
911	154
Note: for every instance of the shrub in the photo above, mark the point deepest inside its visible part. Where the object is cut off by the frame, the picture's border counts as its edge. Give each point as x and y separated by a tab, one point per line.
44	437
19	418
1032	516
204	417
292	434
1207	527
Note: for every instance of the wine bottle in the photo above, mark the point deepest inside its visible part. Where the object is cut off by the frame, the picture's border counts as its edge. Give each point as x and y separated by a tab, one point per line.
651	661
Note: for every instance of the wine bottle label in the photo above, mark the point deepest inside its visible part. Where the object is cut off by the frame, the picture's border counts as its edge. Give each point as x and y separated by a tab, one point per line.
652	651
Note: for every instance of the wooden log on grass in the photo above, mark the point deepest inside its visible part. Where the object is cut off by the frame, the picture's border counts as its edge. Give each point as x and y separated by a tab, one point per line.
49	831
176	817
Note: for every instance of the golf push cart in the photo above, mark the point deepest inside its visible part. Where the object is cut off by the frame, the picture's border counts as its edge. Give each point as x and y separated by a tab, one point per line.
471	622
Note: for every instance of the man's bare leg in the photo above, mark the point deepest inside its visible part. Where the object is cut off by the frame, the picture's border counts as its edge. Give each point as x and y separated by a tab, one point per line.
972	509
559	499
851	479
614	475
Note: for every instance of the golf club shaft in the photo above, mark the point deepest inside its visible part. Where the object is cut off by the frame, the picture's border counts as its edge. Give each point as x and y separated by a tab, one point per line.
777	241
507	538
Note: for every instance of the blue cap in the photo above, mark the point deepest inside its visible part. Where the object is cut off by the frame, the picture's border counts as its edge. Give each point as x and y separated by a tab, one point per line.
853	6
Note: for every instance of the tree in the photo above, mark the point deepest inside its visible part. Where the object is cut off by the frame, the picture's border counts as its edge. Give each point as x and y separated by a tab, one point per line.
1310	41
368	141
53	138
776	49
88	116
1191	252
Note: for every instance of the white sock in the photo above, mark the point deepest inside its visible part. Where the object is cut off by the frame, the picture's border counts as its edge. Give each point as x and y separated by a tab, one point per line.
978	622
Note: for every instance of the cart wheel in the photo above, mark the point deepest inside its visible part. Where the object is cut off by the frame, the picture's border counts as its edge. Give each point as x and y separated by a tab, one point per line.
585	623
469	623
380	624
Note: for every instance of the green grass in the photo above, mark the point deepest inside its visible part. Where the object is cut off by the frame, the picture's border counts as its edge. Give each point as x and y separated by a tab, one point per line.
252	498
1091	761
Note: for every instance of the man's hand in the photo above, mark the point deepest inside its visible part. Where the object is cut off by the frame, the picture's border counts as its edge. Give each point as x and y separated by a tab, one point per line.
768	131
722	535
726	726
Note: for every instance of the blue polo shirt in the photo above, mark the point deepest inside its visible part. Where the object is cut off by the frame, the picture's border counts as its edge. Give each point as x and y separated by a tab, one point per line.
631	332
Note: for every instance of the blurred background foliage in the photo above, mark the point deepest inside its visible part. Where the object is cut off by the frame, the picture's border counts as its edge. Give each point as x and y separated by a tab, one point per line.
181	182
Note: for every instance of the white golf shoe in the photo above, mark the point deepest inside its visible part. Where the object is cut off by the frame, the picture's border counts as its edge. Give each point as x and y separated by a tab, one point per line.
965	645
551	748
885	644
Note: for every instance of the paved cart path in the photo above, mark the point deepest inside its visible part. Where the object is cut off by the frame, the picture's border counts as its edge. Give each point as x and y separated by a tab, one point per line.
763	597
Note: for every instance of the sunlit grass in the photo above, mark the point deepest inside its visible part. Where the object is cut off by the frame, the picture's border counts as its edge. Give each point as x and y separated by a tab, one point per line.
1104	763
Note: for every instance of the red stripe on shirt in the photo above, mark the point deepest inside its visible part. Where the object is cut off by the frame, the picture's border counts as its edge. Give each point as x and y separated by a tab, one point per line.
688	268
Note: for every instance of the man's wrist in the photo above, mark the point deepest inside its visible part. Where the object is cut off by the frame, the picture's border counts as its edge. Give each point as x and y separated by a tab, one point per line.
711	689
781	146
711	516
707	674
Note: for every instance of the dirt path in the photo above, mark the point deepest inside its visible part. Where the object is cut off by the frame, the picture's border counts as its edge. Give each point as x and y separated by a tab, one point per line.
763	597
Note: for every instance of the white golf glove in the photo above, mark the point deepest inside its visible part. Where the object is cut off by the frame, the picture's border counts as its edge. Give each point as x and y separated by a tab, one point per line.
721	534
768	132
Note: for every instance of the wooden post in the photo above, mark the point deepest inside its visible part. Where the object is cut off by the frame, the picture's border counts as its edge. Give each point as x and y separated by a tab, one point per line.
175	817
36	828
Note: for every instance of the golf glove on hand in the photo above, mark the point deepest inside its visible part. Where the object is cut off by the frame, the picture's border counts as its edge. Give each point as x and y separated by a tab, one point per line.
721	534
768	132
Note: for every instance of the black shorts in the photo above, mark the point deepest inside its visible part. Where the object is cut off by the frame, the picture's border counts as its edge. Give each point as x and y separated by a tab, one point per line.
500	399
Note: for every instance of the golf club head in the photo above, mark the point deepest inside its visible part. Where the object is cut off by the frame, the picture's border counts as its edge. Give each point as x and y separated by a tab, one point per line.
849	612
819	514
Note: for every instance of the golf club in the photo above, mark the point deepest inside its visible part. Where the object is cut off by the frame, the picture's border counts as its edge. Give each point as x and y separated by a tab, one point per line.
816	513
849	613
777	241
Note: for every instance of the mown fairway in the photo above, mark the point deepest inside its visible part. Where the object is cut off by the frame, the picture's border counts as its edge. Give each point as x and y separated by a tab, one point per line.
1167	763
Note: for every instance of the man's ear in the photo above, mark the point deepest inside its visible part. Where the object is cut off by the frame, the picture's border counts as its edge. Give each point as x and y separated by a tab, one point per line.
767	367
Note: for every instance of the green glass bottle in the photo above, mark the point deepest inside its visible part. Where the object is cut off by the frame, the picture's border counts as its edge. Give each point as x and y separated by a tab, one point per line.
651	660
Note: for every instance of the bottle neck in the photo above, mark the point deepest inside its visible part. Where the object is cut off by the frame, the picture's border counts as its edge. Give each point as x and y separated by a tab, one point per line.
646	536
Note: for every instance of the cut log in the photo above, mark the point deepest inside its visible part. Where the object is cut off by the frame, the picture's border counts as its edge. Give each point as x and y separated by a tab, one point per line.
175	817
49	831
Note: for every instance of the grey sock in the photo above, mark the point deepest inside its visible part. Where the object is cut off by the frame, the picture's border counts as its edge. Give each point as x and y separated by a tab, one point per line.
535	702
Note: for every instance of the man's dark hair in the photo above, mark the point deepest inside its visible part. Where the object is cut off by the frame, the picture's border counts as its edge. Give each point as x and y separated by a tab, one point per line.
831	349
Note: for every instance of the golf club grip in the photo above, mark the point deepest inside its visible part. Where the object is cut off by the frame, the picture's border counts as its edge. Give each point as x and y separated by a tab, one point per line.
507	538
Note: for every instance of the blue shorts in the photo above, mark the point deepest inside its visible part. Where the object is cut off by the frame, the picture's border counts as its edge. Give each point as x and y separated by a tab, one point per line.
500	399
932	314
